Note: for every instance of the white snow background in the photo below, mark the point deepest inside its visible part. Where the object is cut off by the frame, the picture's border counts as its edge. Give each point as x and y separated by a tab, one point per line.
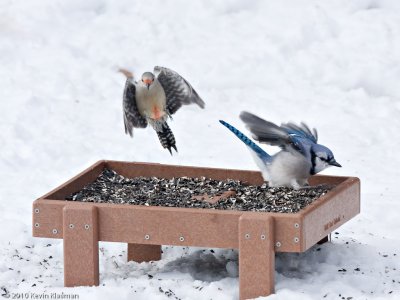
334	64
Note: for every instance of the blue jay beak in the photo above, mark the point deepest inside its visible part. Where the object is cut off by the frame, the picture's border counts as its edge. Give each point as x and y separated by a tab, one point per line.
334	163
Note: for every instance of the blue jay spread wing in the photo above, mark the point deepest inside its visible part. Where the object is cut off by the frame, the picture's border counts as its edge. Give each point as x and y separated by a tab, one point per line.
302	131
132	117
288	136
177	90
265	131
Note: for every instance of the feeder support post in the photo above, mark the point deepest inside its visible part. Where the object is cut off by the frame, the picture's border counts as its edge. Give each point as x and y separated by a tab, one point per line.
81	245
256	256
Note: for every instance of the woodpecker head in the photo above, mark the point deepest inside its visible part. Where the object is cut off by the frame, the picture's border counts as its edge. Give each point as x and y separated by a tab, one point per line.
148	79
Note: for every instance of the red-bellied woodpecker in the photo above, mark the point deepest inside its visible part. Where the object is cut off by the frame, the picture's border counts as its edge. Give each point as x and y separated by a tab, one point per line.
153	99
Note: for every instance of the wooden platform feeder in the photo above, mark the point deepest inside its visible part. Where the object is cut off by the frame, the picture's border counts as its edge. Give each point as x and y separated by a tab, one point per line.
257	235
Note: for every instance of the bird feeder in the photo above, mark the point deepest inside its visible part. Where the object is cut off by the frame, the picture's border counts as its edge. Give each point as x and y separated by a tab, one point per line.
256	235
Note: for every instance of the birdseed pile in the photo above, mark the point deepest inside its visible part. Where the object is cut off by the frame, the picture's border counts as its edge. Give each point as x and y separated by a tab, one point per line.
111	187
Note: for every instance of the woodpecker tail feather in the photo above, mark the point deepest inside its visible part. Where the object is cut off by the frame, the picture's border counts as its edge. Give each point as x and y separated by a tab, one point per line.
264	156
128	74
167	138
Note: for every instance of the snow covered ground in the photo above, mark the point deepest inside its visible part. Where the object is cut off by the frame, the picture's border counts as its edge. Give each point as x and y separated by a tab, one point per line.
334	64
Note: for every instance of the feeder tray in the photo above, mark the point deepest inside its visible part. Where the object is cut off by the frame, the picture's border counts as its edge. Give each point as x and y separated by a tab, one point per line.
257	235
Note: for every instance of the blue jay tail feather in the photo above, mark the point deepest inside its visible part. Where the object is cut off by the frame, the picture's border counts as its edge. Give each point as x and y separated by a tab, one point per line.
260	152
167	138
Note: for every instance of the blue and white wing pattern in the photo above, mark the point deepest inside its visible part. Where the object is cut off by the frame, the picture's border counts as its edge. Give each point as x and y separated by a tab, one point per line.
301	131
287	136
265	131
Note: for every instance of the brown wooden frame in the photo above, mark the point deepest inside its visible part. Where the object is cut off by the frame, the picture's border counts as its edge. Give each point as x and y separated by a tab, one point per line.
257	235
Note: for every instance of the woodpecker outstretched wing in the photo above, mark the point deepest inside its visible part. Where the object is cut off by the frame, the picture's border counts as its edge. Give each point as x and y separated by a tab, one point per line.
177	90
132	117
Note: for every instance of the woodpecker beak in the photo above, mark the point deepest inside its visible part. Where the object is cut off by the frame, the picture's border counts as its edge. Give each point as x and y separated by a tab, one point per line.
147	82
334	163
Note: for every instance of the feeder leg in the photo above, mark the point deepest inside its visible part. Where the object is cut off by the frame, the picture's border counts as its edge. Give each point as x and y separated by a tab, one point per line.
324	240
256	256
81	246
143	252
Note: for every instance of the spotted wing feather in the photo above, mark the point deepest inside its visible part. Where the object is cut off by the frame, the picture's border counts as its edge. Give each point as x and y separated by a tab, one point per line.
177	90
132	117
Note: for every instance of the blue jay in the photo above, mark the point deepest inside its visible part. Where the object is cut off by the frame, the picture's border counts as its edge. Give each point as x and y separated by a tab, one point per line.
301	156
153	99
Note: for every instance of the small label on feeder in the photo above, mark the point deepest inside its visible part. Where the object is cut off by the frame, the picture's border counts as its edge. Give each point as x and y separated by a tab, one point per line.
332	223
